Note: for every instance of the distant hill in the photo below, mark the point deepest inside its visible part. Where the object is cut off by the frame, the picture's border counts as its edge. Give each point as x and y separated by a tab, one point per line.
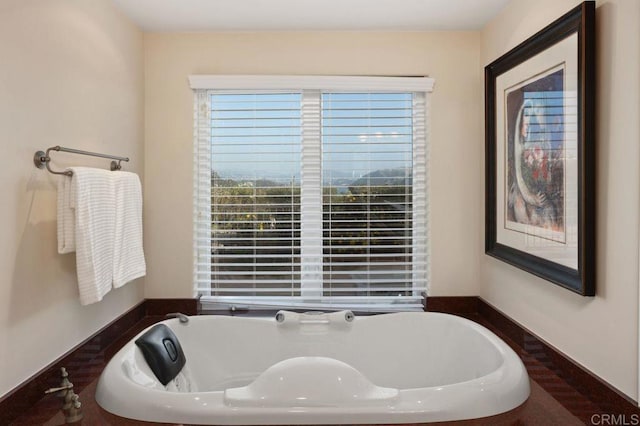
231	183
382	177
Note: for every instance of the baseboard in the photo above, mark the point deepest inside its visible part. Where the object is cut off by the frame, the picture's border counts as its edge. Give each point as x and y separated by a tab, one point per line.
82	360
167	306
78	362
609	399
457	305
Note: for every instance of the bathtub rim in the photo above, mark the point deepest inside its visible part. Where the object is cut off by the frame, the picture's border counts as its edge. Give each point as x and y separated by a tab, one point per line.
166	411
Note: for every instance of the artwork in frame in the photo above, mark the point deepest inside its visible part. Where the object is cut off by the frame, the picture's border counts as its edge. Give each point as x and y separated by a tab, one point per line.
540	153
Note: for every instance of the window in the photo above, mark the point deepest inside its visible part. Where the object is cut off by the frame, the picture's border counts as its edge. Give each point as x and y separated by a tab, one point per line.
311	198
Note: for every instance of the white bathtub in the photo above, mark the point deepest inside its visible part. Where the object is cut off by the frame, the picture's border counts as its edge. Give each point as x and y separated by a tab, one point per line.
321	369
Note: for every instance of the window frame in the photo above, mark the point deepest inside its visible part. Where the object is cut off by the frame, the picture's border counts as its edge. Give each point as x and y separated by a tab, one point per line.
202	84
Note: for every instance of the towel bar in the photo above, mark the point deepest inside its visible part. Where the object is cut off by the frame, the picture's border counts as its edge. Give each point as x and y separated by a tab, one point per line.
42	159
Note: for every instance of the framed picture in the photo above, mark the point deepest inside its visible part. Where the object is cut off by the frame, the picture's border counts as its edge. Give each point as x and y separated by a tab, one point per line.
540	153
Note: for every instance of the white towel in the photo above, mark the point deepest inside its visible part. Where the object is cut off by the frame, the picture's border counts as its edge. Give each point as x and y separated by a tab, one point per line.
66	217
128	255
95	230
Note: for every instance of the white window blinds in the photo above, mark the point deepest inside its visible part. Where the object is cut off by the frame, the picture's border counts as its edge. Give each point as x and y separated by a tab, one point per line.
313	198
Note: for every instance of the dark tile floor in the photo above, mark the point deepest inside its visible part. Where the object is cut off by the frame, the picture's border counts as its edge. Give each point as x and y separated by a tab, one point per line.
552	402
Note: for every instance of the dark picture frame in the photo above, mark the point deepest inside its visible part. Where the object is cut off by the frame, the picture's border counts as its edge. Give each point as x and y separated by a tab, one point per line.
540	153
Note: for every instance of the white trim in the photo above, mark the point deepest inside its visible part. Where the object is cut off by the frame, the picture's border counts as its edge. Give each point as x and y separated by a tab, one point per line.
311	258
427	159
201	186
311	241
360	304
420	200
309	82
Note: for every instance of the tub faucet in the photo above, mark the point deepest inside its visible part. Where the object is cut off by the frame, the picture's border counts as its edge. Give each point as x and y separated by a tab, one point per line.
71	407
181	317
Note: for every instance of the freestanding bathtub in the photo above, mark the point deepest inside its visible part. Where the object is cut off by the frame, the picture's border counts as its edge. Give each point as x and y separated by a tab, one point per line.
321	369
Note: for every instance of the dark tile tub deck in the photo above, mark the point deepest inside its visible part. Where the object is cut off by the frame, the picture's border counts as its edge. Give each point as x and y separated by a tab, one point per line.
553	401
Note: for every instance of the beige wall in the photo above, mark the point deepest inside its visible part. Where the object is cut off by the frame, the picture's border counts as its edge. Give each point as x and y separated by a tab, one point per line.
601	333
451	58
71	74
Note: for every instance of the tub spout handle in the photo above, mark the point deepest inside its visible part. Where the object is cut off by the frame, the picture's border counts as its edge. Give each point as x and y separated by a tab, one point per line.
181	317
59	389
